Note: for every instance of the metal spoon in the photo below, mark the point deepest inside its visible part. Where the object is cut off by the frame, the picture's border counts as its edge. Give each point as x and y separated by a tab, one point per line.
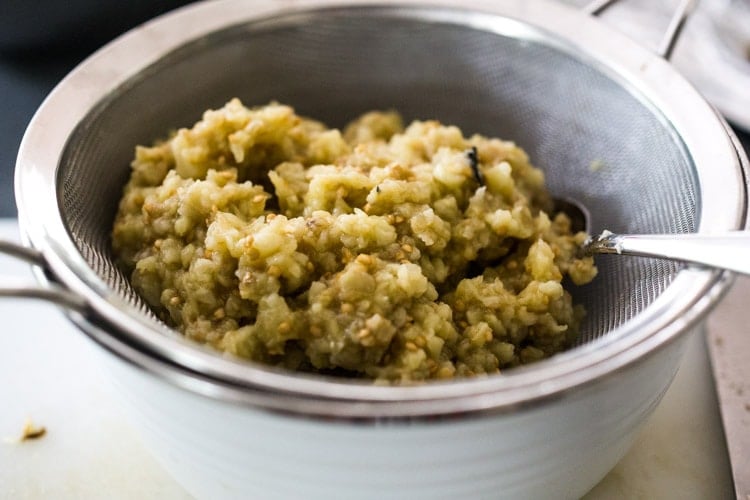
725	250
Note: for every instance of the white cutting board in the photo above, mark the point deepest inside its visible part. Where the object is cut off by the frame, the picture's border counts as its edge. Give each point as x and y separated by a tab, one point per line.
49	373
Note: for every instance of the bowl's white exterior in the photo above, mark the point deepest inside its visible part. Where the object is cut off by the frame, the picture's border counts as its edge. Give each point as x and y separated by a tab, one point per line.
558	449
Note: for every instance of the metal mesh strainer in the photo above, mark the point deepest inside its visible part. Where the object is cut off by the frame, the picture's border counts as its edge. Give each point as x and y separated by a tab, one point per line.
335	65
487	74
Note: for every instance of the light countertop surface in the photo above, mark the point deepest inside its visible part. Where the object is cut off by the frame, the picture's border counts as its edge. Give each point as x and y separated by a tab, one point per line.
49	373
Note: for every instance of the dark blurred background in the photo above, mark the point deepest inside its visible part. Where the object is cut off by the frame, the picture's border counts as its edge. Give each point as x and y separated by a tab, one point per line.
40	42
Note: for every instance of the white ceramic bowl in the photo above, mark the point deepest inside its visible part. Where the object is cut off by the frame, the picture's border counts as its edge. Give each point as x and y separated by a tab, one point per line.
557	449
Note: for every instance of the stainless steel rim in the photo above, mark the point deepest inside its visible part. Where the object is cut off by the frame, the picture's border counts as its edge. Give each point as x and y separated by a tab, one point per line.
169	356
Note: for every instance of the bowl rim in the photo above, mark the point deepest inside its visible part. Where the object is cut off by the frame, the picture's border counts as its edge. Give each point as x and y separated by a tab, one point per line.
698	129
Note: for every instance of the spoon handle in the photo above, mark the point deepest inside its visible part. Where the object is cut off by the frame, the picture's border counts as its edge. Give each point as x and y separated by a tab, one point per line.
729	250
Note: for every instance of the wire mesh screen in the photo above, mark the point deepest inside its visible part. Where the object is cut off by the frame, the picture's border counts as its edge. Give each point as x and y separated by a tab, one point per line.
596	141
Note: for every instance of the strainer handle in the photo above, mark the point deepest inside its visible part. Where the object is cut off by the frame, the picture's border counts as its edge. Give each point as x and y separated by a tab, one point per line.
19	289
730	250
596	7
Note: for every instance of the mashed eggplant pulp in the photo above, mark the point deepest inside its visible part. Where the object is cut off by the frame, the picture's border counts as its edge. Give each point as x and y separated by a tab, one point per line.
381	252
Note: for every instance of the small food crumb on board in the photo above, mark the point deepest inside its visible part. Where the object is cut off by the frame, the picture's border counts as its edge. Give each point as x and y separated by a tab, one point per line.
32	431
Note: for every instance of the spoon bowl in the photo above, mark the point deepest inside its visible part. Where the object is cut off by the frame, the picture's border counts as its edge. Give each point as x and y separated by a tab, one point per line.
723	250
